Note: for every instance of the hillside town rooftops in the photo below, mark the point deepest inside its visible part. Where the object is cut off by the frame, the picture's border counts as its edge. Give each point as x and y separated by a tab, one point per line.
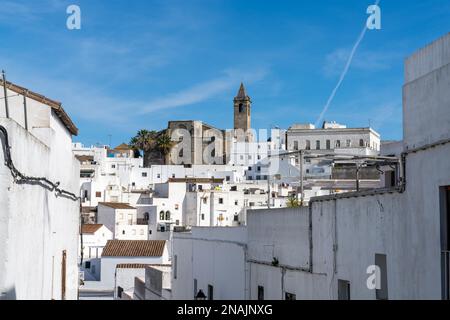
134	248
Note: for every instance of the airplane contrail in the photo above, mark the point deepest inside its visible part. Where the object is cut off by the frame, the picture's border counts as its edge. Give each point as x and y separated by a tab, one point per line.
344	73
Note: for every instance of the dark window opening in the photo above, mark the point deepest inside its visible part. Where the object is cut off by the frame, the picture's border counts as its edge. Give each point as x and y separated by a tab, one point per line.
260	293
381	262
290	296
210	292
343	290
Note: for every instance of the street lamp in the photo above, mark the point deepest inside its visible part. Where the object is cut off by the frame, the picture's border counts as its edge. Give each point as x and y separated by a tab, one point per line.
200	295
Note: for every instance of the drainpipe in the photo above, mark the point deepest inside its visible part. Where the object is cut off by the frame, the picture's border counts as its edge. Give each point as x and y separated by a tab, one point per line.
6	94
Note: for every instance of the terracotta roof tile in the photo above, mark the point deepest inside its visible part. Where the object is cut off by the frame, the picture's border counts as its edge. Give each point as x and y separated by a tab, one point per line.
55	105
116	205
134	248
139	265
90	228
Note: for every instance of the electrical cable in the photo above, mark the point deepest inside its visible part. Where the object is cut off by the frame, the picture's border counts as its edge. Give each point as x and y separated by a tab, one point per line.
21	178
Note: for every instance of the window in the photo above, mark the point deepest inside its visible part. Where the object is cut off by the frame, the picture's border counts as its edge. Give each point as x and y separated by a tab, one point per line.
228	178
381	262
249	157
177	222
119	292
161	215
361	143
308	145
144	174
98	194
158	176
205	200
444	197
295	145
258	177
259	169
290	296
259	157
236	218
343	290
113	166
210	292
181	153
260	293
175	266
241	108
328	144
348	143
338	144
203	216
123	231
236	203
317	144
87	264
242	157
195	288
249	168
167	215
221	200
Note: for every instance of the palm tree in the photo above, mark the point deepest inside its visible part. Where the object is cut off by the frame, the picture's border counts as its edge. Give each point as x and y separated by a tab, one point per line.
293	202
164	144
144	140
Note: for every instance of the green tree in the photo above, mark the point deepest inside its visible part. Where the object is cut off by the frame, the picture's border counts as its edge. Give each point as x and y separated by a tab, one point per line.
164	144
293	202
145	141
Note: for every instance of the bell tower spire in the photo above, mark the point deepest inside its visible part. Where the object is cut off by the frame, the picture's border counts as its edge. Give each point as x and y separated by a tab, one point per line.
242	110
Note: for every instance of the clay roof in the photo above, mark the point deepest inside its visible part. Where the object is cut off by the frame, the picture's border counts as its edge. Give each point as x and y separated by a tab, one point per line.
123	146
84	158
139	265
197	180
55	105
134	248
116	205
90	228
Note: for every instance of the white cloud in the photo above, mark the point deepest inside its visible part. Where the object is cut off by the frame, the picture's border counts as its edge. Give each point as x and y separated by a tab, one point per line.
366	61
203	91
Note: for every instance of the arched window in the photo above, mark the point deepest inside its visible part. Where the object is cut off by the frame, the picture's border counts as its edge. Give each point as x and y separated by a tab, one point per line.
361	143
161	215
167	215
241	108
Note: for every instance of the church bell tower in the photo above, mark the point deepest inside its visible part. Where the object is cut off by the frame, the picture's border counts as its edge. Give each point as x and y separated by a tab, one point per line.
242	110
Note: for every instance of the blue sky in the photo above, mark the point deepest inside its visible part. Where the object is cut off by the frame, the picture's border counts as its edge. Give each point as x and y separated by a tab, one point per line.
140	63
